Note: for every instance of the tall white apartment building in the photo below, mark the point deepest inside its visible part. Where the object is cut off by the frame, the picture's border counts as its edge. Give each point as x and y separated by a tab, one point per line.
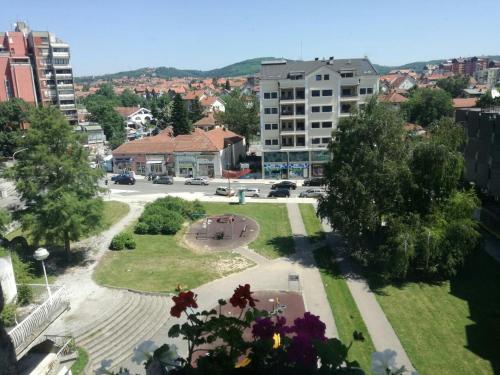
301	103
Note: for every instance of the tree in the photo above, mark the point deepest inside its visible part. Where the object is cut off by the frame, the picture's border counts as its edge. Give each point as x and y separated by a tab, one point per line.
196	111
54	178
425	106
111	121
130	99
486	100
7	350
454	85
4	221
241	114
179	118
227	86
12	114
106	90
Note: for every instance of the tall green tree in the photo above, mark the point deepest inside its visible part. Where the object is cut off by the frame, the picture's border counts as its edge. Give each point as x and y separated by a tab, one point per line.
54	178
12	114
179	118
454	85
111	121
424	106
196	111
128	98
486	100
227	86
241	114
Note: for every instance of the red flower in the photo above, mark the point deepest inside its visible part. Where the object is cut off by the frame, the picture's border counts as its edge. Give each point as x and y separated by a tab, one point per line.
242	295
182	302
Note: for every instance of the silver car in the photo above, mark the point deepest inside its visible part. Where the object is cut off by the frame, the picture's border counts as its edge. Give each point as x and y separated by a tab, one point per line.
196	181
312	193
252	192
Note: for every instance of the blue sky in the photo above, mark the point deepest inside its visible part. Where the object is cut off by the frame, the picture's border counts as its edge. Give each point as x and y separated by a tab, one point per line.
110	35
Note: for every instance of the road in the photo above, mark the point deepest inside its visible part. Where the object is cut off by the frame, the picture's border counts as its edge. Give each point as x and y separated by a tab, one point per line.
147	187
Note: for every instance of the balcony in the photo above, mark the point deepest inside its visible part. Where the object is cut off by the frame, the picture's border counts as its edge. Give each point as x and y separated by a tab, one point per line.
351	81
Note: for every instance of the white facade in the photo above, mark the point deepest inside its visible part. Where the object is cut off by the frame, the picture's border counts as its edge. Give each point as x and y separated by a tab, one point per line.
7	279
301	104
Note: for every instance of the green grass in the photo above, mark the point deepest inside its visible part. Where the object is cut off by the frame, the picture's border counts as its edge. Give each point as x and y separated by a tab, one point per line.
453	327
311	222
81	362
275	236
159	263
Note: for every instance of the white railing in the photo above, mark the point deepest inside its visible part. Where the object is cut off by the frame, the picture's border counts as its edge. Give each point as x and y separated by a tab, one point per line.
30	328
64	342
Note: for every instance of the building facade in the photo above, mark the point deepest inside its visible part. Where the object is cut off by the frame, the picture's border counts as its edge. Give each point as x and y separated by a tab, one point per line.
301	103
38	69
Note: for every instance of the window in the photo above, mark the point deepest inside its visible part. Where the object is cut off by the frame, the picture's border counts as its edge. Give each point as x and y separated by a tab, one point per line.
326	108
362	91
275	142
267	126
274	126
316	141
269	111
315	125
315	93
270	95
274	95
326	124
315	109
325	140
369	90
347	74
318	77
267	95
274	111
327	93
268	142
326	77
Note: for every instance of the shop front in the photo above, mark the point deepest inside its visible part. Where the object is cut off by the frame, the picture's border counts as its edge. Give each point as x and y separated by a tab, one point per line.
298	164
318	162
185	165
206	165
122	164
275	165
155	164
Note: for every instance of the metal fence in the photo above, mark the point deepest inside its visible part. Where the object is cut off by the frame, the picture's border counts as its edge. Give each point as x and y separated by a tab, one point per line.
35	323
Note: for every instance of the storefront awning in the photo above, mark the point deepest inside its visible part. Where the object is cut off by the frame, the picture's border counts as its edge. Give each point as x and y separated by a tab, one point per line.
154	162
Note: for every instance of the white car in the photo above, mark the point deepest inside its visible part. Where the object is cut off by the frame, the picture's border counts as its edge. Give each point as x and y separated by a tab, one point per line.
222	190
252	192
312	193
196	181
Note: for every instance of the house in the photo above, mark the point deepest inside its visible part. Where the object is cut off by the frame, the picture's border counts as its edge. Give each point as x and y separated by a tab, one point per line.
94	138
393	98
207	153
397	81
135	116
213	104
206	123
459	103
146	155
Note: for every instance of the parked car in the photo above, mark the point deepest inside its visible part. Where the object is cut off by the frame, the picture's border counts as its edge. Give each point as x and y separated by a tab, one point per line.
117	176
315	181
283	193
222	190
167	180
197	181
125	179
312	193
284	185
252	192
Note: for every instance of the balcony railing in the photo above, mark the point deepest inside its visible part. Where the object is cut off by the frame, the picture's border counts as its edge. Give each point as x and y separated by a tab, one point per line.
64	343
35	323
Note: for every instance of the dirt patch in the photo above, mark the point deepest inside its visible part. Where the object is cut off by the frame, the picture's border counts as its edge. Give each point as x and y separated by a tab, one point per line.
222	232
230	265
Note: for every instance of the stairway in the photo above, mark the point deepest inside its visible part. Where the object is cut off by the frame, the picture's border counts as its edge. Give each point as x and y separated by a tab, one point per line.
114	337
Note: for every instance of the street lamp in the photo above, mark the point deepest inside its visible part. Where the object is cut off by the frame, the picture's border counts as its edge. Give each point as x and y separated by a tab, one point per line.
14	154
41	254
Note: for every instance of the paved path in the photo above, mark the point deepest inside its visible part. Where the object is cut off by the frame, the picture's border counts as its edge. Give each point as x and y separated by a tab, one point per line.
312	286
381	331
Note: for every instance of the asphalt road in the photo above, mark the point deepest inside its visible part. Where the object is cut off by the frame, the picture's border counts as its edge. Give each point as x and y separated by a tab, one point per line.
147	187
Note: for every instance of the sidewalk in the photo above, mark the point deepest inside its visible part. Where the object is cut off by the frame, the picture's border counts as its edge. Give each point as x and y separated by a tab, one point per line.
382	334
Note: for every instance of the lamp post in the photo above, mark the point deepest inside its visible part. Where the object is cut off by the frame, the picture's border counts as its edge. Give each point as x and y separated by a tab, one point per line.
14	154
41	254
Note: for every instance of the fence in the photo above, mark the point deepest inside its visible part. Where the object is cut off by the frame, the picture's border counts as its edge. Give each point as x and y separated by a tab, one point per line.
35	323
66	347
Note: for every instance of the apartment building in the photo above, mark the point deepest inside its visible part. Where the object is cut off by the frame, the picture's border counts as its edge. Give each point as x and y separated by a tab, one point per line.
42	73
301	103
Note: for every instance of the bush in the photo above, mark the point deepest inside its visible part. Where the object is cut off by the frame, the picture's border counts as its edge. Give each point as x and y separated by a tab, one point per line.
20	245
168	222
121	241
141	228
186	208
8	315
24	295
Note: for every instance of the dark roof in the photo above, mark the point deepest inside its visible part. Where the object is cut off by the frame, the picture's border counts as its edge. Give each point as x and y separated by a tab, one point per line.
279	69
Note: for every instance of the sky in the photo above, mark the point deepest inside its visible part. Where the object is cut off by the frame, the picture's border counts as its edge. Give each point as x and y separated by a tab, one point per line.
108	36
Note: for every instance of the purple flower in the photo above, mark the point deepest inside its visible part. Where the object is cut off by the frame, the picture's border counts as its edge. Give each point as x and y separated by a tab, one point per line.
265	328
307	330
310	326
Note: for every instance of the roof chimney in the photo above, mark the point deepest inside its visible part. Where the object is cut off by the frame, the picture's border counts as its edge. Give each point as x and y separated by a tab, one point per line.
316	58
331	58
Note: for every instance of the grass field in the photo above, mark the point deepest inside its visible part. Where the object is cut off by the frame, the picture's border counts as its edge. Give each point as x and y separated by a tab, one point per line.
81	362
159	263
453	327
311	222
275	236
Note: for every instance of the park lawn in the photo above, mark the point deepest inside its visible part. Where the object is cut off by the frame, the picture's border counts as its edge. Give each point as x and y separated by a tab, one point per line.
453	327
159	264
275	236
311	222
114	211
81	362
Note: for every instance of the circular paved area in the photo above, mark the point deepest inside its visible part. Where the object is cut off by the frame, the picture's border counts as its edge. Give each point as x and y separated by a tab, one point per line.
223	232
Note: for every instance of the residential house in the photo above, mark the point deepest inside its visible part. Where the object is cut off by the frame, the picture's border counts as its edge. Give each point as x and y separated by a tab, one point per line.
213	104
94	138
393	98
206	123
459	103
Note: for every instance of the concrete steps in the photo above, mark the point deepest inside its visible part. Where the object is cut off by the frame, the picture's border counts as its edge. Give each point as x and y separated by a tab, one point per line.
114	337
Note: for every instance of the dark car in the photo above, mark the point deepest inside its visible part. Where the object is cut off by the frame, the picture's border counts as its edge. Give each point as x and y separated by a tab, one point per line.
167	180
125	179
117	176
283	193
284	185
315	181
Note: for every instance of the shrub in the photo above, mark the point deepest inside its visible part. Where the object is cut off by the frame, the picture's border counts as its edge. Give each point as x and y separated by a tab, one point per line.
8	315
121	241
183	207
20	245
24	295
168	222
141	228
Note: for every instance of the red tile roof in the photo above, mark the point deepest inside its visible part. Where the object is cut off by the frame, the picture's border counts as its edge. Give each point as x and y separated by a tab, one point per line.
126	111
205	121
392	97
200	141
162	143
464	102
